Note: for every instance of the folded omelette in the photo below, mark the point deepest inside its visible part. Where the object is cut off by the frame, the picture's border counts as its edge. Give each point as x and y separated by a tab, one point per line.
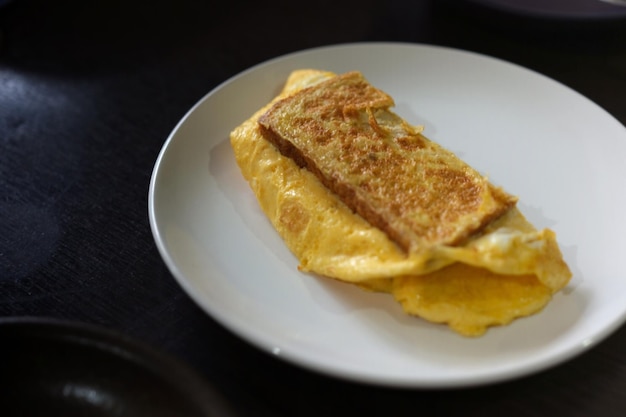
360	195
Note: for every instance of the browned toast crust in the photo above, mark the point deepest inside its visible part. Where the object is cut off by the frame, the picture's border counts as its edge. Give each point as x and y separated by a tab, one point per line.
415	191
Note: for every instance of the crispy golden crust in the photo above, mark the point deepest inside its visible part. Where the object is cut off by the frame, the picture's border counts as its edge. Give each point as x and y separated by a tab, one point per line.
381	167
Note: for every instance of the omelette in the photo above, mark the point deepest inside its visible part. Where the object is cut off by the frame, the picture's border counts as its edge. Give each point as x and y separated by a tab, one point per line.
361	196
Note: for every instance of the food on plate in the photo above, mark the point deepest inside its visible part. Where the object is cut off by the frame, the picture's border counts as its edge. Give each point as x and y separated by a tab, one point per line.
360	195
412	189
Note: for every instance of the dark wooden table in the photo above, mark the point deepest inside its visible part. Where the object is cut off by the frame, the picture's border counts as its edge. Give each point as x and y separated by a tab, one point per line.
89	91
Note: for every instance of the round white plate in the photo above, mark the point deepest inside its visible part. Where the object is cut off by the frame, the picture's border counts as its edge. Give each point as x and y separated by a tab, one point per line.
559	152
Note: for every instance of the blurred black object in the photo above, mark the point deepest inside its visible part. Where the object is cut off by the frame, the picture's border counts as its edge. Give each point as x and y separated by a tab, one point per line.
584	21
557	9
58	368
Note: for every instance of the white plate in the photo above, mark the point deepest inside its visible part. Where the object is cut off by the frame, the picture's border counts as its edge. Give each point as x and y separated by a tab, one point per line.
561	153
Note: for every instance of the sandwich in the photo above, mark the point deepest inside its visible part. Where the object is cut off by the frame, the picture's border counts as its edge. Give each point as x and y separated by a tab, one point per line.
360	195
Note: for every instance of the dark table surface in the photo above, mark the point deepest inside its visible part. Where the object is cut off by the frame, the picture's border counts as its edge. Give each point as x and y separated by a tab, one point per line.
89	91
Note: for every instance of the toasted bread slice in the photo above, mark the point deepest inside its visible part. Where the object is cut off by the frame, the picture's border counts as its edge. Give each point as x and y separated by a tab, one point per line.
384	169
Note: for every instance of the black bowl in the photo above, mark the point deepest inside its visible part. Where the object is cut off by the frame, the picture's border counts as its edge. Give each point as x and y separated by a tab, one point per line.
58	368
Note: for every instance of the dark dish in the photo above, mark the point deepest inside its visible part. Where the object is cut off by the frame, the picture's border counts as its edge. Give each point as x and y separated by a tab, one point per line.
57	368
558	9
